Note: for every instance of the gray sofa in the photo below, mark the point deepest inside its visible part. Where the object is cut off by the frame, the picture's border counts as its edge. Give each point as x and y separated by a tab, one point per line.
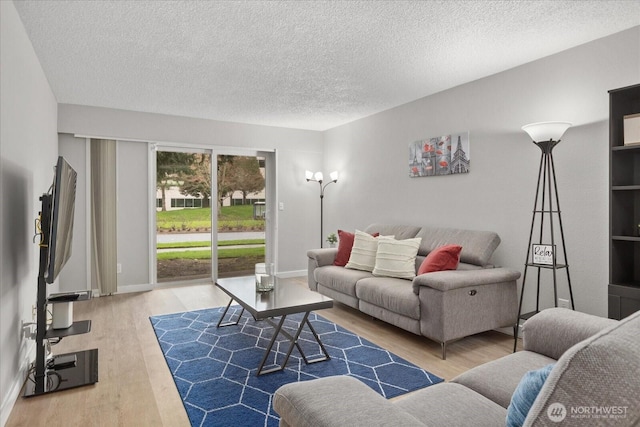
442	306
595	381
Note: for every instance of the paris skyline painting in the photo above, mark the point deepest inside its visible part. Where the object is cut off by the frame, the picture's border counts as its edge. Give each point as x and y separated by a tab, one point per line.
441	155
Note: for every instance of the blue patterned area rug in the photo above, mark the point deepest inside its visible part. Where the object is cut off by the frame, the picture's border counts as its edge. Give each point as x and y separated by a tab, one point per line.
215	368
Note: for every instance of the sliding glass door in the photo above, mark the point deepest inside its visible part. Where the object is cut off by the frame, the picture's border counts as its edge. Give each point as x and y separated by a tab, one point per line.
213	215
245	186
183	214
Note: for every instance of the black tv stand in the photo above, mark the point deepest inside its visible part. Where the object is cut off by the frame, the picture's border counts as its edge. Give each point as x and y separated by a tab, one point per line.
57	378
74	369
67	297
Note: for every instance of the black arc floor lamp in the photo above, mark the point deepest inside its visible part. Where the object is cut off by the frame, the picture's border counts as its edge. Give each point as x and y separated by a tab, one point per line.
318	177
543	255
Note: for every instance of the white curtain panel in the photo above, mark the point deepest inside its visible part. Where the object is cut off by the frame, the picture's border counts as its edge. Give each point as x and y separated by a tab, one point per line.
104	214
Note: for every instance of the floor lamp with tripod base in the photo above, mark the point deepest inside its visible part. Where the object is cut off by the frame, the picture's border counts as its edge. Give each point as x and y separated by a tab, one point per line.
319	178
543	256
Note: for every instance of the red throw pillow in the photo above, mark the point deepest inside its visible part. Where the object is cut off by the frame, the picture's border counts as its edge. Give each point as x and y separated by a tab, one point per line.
345	244
443	258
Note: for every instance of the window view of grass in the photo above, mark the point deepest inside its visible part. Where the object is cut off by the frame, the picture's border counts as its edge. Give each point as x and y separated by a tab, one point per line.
230	218
191	259
205	244
206	254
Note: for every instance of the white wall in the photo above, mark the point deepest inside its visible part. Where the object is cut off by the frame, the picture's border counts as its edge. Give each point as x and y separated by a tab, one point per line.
498	193
132	201
297	150
28	150
133	213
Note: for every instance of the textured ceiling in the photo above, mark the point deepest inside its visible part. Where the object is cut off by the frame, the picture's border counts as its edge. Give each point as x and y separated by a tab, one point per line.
309	65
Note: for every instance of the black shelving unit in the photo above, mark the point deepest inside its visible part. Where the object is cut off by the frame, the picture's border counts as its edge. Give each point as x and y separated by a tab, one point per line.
624	207
80	368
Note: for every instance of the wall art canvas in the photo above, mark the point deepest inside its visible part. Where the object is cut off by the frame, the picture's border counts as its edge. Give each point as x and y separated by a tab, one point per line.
442	155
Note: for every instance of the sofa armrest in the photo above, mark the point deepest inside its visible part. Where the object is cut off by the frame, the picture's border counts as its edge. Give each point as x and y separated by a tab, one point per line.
318	258
554	330
336	401
455	279
322	257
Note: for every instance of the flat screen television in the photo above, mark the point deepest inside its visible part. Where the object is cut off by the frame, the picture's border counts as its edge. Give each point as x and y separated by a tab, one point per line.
63	198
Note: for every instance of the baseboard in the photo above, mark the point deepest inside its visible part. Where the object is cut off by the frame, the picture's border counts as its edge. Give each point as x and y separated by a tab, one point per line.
27	353
290	274
144	287
127	289
509	330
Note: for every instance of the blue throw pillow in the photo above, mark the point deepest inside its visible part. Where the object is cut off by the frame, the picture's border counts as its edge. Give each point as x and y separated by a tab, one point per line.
525	394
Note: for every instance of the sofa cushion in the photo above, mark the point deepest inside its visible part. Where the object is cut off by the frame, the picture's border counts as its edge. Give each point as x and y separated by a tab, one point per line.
497	380
525	394
477	246
545	333
449	404
390	293
320	403
363	252
340	279
598	375
396	258
444	258
400	320
345	244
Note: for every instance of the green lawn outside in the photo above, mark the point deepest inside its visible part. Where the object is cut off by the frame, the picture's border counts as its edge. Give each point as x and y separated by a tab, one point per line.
206	254
231	218
206	243
226	213
194	219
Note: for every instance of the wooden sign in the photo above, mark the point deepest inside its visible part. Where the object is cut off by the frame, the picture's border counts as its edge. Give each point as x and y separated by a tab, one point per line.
543	254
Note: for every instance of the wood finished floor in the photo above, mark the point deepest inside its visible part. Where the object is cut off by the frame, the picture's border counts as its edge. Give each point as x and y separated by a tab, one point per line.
135	387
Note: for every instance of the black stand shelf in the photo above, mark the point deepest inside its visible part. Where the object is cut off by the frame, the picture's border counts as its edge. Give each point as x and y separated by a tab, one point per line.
76	328
79	368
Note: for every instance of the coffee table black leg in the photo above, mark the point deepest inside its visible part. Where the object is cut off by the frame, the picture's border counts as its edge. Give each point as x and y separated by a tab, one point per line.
315	335
293	341
220	324
276	331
